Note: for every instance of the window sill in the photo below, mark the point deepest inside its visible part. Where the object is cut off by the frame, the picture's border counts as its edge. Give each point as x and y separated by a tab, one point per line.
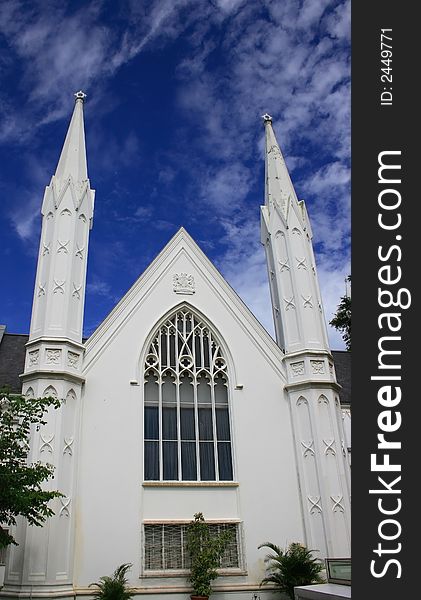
190	484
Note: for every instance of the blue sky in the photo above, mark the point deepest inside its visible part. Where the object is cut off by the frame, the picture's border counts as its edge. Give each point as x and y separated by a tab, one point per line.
175	93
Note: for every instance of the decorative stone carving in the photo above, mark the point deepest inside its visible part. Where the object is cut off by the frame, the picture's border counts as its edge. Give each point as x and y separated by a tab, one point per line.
297	368
317	367
50	391
183	284
301	263
329	447
283	265
337	504
331	369
45	248
79	251
289	303
314	505
73	359
33	358
59	286
68	446
323	400
307	301
76	291
41	289
46	445
62	247
64	510
52	356
308	448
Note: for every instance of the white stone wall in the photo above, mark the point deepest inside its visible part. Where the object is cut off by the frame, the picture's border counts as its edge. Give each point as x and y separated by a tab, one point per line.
112	503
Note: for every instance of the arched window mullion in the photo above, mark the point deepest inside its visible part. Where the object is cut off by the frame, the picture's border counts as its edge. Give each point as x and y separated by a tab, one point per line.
189	421
160	445
196	428
215	440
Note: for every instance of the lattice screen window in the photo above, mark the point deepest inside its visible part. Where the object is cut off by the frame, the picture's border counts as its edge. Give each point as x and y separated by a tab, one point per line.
165	547
187	425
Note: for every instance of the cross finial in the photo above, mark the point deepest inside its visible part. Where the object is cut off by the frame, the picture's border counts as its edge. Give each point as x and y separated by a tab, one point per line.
80	95
267	118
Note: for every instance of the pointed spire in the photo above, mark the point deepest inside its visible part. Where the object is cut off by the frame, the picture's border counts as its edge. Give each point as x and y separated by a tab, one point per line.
73	155
278	184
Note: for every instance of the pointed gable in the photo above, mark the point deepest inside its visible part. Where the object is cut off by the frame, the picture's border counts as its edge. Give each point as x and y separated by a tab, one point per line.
181	273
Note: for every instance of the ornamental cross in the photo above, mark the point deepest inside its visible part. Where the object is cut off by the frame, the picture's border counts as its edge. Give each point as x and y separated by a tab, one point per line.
62	247
308	448
315	504
301	263
59	286
76	291
329	447
337	504
64	511
80	95
307	301
284	265
289	303
46	443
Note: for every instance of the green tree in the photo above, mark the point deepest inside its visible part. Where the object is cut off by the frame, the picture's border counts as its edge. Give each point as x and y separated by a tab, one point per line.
291	567
21	490
342	319
206	549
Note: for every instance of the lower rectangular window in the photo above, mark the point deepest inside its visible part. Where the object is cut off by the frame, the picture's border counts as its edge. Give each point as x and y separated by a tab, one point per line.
165	547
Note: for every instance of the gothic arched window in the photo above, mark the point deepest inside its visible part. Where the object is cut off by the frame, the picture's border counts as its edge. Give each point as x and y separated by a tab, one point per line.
187	432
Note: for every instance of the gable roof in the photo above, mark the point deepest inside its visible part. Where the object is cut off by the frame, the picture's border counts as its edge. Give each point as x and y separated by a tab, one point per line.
181	243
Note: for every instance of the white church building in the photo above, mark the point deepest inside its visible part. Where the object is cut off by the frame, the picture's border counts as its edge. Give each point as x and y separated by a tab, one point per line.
180	402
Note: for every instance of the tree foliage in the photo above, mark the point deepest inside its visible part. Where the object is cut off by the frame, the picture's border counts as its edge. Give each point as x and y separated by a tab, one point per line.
205	549
21	490
291	567
114	587
342	319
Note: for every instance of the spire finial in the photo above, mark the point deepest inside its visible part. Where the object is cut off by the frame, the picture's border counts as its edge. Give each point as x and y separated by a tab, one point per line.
80	96
267	118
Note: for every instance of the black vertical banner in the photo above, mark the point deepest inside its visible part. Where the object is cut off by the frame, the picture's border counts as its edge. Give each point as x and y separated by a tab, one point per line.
386	257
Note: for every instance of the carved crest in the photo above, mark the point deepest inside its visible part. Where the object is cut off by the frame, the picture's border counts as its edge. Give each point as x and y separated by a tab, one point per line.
183	284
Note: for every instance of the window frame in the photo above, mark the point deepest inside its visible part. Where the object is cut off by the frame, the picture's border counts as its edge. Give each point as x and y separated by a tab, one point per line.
183	572
161	372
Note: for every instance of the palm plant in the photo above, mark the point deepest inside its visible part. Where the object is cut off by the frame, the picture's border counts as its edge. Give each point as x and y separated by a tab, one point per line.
114	587
291	567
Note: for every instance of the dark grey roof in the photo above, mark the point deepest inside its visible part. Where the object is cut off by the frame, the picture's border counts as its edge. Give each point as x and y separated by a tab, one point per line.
12	360
342	360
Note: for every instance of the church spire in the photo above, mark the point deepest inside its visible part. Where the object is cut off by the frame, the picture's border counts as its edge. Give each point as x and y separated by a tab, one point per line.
300	329
54	357
67	212
286	234
72	161
278	184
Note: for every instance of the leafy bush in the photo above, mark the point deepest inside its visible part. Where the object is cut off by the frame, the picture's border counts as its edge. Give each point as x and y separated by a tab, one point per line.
114	587
205	549
291	567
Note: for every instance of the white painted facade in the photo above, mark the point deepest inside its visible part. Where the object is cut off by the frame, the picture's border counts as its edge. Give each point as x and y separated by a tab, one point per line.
290	479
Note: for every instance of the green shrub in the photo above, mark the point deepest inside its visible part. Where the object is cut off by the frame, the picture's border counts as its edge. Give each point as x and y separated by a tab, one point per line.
291	567
114	587
205	550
